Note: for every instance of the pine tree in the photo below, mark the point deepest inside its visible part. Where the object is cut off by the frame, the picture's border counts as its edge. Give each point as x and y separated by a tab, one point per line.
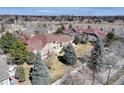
76	40
69	55
96	59
19	52
31	57
96	56
6	42
39	74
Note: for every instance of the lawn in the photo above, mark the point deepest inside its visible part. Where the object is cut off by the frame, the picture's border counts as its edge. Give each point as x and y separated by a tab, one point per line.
56	68
83	49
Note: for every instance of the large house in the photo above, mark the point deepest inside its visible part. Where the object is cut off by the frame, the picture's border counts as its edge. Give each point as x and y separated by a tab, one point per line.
48	44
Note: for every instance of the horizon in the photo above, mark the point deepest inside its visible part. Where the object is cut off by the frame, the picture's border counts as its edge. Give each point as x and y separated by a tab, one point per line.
63	11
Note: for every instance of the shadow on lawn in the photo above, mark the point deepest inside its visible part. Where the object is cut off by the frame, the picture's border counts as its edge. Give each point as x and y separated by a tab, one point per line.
61	59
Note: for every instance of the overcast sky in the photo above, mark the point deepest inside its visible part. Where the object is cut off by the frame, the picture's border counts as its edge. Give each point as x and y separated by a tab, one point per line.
63	11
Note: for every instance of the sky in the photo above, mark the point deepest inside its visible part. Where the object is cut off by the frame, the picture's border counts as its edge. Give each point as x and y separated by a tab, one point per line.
76	11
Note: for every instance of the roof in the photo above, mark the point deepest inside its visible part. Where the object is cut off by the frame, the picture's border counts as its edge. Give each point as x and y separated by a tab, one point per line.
37	42
3	70
94	31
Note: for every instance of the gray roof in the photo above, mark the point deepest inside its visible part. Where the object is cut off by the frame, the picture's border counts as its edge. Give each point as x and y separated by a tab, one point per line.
3	70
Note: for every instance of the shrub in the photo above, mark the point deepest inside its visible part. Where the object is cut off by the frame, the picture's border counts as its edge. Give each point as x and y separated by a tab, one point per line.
20	73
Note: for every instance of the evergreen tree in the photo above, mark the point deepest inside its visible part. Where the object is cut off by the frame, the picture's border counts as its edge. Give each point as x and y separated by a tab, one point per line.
6	42
69	56
96	59
96	56
39	74
31	58
19	52
76	40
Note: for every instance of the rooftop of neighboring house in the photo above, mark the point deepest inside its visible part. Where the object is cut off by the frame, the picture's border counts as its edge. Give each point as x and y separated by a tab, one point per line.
95	31
3	70
37	42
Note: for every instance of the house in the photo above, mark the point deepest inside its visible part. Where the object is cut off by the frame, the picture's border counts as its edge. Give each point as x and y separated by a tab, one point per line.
73	32
48	44
91	34
4	75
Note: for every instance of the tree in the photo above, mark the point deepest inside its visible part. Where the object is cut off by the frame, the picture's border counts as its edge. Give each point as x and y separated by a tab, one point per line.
69	56
2	28
39	74
76	40
20	73
70	26
19	52
31	58
109	38
6	42
59	31
88	27
96	59
63	28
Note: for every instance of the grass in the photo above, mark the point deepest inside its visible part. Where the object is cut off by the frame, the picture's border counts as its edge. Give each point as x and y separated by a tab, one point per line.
56	68
83	49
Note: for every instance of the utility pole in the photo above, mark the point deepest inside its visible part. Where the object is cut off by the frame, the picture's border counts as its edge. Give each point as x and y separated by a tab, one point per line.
110	67
94	71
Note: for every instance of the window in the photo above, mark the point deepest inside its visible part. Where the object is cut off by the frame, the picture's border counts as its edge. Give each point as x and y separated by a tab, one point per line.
54	42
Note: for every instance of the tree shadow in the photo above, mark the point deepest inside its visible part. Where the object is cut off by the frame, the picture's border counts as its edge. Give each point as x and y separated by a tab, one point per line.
61	59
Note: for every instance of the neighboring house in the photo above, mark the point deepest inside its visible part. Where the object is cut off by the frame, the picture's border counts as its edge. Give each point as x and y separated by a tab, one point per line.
91	34
73	32
48	44
4	75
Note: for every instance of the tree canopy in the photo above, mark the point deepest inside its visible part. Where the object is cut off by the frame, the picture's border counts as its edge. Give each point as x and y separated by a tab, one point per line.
19	52
69	56
39	74
6	42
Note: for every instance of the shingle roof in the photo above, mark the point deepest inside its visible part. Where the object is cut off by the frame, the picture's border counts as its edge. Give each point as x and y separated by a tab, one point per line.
39	41
94	31
3	70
